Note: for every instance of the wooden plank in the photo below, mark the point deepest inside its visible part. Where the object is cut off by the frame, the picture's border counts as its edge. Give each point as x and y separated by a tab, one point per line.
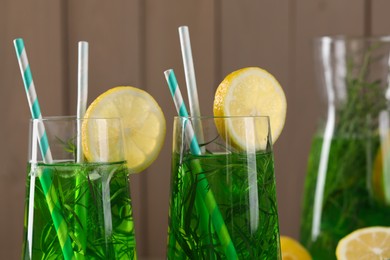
277	35
39	23
258	33
310	19
255	33
162	51
380	17
113	34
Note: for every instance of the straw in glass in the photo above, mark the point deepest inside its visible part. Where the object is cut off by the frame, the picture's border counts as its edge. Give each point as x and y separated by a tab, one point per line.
82	93
203	186
45	178
82	97
189	73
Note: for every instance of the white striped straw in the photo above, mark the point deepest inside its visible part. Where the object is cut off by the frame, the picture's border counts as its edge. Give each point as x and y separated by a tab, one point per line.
189	72
82	97
82	92
34	161
45	179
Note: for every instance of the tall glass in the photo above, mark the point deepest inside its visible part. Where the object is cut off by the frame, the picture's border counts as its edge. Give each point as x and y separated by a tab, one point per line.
223	196
347	185
77	209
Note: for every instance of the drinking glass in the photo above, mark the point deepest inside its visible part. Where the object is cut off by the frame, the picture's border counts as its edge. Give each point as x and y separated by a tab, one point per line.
223	195
77	209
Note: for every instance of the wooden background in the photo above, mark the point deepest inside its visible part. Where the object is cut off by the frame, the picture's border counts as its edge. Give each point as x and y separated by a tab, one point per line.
131	43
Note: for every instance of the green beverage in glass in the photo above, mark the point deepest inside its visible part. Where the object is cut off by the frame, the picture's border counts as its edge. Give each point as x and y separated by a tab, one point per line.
91	199
239	182
351	199
347	185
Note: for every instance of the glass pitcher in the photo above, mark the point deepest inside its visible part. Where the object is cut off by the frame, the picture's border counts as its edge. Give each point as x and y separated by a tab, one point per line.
347	185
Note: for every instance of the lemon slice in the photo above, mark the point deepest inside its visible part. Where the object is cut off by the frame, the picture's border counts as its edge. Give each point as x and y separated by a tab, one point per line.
293	250
143	123
366	243
250	92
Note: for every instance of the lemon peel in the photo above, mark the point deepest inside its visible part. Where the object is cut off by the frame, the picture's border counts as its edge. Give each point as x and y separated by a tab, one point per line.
293	250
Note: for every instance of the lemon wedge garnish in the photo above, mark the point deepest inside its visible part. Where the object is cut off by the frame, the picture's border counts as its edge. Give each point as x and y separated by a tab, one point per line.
250	92
377	180
366	243
293	250
143	124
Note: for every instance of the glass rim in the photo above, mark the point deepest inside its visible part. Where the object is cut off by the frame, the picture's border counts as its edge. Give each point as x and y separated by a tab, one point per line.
353	38
70	118
222	117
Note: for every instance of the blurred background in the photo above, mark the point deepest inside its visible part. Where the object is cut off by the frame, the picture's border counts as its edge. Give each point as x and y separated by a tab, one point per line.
131	43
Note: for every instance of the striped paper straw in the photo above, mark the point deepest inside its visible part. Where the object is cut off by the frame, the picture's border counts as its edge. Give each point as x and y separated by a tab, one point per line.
45	178
203	186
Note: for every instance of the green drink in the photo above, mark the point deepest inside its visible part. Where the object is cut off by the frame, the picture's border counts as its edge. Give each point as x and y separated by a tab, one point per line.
74	208
347	184
241	208
227	175
94	200
348	198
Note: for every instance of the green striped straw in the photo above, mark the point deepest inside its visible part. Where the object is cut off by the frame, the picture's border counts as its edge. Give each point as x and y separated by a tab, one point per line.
203	186
45	178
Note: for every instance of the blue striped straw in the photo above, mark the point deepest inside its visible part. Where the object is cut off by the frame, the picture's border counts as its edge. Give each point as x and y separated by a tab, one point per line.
203	186
45	179
32	98
182	111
